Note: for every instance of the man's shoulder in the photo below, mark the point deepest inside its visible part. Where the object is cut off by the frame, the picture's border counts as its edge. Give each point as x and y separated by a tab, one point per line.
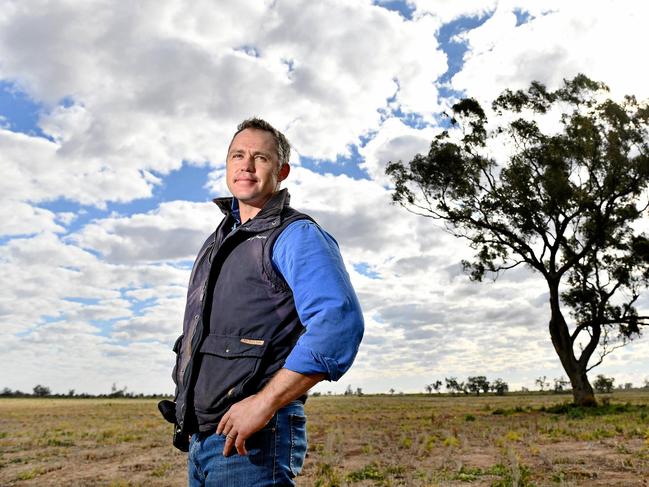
300	225
304	232
289	214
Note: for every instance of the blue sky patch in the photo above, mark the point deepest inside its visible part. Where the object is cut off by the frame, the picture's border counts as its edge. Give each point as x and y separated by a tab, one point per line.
522	16
290	65
251	51
105	326
342	165
403	8
84	214
6	238
186	183
414	120
18	111
455	50
364	269
139	307
182	264
83	300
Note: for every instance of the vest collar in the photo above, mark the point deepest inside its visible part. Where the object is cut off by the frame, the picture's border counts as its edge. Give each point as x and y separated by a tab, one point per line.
269	214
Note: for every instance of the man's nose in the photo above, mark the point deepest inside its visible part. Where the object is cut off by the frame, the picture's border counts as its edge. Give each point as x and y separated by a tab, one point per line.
248	163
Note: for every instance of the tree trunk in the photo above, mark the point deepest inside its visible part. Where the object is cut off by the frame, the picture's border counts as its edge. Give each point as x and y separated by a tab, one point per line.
582	392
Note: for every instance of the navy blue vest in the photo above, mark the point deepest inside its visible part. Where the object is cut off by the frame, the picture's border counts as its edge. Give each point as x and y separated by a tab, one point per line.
240	319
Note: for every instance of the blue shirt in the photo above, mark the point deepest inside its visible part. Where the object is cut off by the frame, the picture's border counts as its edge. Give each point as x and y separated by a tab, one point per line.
309	260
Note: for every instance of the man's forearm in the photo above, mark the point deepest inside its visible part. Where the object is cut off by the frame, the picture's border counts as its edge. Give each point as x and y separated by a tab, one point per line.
286	386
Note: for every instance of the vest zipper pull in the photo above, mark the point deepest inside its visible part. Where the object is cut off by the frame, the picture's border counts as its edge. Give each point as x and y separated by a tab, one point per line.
203	291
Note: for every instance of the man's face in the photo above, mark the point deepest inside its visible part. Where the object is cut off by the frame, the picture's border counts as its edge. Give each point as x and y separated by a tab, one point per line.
253	173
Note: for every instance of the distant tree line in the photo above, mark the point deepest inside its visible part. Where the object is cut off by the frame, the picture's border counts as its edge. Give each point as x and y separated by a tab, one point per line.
479	384
350	392
44	391
473	385
602	384
560	384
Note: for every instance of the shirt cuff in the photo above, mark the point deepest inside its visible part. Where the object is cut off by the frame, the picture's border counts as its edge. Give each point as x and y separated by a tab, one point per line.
305	361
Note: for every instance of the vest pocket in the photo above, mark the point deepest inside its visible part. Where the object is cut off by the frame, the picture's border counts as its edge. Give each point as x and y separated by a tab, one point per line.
228	363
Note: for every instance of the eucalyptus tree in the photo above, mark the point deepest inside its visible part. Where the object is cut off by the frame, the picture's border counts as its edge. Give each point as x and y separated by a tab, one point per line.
566	201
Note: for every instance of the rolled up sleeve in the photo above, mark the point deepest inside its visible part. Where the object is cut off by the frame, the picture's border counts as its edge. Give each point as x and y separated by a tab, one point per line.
309	260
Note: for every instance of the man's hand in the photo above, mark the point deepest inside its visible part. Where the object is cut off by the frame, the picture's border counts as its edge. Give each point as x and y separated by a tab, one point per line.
242	420
253	413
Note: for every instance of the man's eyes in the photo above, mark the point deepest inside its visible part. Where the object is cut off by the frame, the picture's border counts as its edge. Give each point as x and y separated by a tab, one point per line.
258	157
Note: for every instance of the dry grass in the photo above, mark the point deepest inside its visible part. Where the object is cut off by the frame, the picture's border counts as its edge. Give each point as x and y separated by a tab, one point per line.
359	441
494	441
86	442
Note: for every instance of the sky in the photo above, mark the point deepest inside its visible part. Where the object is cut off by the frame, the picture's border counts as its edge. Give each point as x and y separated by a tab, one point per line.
114	125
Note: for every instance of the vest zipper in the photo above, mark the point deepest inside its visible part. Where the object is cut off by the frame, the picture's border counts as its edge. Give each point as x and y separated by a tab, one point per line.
197	337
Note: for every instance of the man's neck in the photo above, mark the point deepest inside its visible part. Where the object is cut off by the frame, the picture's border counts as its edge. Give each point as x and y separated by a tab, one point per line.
249	211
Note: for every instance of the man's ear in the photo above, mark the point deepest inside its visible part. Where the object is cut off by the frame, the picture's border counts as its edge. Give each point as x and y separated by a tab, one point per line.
283	172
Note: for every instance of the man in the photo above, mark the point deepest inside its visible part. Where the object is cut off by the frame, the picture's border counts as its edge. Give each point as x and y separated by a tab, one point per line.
270	312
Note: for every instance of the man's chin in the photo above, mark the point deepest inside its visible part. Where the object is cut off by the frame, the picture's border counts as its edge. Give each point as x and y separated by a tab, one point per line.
249	200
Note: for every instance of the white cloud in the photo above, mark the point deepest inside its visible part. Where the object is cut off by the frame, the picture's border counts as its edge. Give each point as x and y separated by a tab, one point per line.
53	292
153	84
602	39
48	277
74	356
21	218
36	170
162	321
66	217
394	141
448	10
175	230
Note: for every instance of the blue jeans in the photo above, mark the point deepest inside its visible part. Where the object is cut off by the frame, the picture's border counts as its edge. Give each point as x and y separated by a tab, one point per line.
275	454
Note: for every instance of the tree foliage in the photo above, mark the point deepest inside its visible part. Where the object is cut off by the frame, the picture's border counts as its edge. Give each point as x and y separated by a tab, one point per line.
453	386
542	382
41	391
565	201
560	384
603	383
477	384
499	386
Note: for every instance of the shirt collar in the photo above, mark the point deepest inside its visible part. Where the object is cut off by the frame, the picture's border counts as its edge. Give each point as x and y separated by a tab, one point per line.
235	211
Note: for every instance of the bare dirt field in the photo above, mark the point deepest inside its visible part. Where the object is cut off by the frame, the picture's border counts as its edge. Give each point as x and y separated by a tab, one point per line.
409	440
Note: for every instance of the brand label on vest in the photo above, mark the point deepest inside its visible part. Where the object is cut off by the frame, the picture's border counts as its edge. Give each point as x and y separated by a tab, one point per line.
250	341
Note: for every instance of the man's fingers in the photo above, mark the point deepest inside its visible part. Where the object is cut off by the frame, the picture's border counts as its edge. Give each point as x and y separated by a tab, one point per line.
227	429
229	442
222	423
240	443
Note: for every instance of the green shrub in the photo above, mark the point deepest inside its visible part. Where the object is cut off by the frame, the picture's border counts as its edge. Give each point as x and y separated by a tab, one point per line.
368	472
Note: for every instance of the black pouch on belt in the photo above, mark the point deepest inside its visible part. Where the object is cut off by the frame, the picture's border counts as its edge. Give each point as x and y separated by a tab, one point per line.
168	411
